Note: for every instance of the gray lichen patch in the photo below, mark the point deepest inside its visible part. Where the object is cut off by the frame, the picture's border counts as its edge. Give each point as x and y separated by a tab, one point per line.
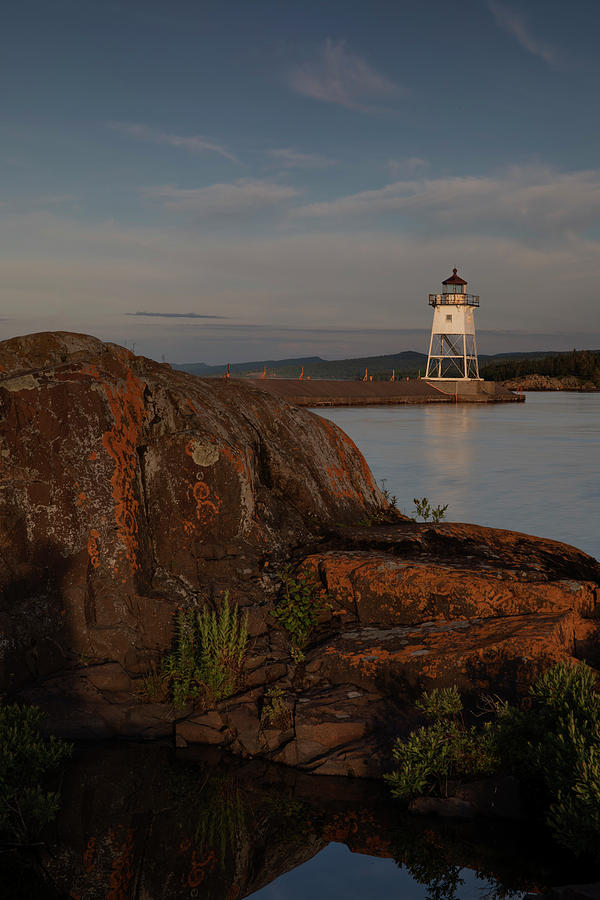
21	383
203	453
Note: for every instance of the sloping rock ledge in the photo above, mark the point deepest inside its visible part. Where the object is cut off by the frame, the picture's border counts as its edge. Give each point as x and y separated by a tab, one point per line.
128	490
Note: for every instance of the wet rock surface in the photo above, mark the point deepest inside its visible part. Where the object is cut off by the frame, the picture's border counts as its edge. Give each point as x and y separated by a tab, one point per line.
128	490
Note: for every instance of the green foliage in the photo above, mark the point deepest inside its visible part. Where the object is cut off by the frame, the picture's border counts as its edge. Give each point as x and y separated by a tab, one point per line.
298	606
181	665
275	712
223	640
554	746
155	685
389	498
583	364
26	760
424	510
208	657
551	743
446	748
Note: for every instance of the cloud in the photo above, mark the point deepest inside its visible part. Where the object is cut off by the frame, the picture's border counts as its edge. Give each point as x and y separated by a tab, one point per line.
534	200
193	143
513	22
404	167
289	158
62	272
338	76
174	315
246	195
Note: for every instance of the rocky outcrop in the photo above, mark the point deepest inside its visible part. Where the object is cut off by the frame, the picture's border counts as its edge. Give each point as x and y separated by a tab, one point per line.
548	383
129	491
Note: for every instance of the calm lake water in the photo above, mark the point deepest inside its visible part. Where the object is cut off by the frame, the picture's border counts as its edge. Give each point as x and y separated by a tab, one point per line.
529	466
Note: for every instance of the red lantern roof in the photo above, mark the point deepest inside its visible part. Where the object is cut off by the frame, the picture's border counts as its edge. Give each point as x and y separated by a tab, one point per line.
454	279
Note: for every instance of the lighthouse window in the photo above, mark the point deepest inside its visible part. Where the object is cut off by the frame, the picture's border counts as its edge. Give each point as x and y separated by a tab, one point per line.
448	318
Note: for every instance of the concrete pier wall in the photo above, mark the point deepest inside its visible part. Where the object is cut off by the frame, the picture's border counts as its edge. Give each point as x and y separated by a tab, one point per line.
383	393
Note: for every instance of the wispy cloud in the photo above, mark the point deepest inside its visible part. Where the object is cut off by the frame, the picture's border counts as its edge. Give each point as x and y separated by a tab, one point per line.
514	22
288	158
533	200
195	143
175	315
338	76
404	167
64	273
246	195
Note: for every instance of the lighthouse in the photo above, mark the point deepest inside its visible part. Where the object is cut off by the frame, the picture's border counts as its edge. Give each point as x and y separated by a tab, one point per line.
452	348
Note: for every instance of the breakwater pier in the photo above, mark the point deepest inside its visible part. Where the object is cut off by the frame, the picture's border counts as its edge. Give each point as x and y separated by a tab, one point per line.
321	392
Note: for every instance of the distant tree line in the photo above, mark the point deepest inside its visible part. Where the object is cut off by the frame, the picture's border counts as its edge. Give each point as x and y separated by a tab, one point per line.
583	364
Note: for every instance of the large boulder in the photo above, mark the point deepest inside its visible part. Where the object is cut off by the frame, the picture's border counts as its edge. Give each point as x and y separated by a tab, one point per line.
129	488
130	491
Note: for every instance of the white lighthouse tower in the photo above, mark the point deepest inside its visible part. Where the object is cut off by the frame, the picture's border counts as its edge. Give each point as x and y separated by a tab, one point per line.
452	348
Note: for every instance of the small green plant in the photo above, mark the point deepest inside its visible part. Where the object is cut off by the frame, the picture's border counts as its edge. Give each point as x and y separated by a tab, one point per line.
27	758
223	640
445	749
425	511
181	665
297	609
275	712
154	686
389	498
208	655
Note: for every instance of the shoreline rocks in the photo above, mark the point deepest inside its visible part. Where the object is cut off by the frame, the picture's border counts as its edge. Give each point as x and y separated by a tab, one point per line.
129	491
547	383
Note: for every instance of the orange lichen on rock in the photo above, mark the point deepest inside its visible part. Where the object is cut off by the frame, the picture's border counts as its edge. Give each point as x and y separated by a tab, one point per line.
340	476
127	407
235	458
206	509
92	548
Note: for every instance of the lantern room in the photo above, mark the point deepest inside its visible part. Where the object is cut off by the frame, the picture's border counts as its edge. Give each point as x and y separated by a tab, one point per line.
454	285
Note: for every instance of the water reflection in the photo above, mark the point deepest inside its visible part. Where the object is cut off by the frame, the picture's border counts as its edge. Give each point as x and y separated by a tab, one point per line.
141	822
527	467
448	449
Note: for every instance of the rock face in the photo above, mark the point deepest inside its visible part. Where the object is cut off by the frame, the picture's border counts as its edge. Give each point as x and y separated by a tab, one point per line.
129	490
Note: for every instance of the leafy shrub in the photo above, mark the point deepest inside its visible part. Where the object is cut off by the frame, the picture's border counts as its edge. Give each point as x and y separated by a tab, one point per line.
276	712
440	751
208	655
425	511
26	760
297	609
551	743
554	747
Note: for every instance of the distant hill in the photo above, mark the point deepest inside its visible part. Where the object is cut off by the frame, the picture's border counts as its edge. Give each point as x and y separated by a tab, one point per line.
249	367
408	363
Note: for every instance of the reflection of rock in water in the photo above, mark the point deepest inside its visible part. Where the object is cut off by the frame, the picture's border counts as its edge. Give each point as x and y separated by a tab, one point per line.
139	823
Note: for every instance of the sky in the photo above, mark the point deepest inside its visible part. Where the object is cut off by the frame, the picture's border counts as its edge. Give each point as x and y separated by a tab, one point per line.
228	181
